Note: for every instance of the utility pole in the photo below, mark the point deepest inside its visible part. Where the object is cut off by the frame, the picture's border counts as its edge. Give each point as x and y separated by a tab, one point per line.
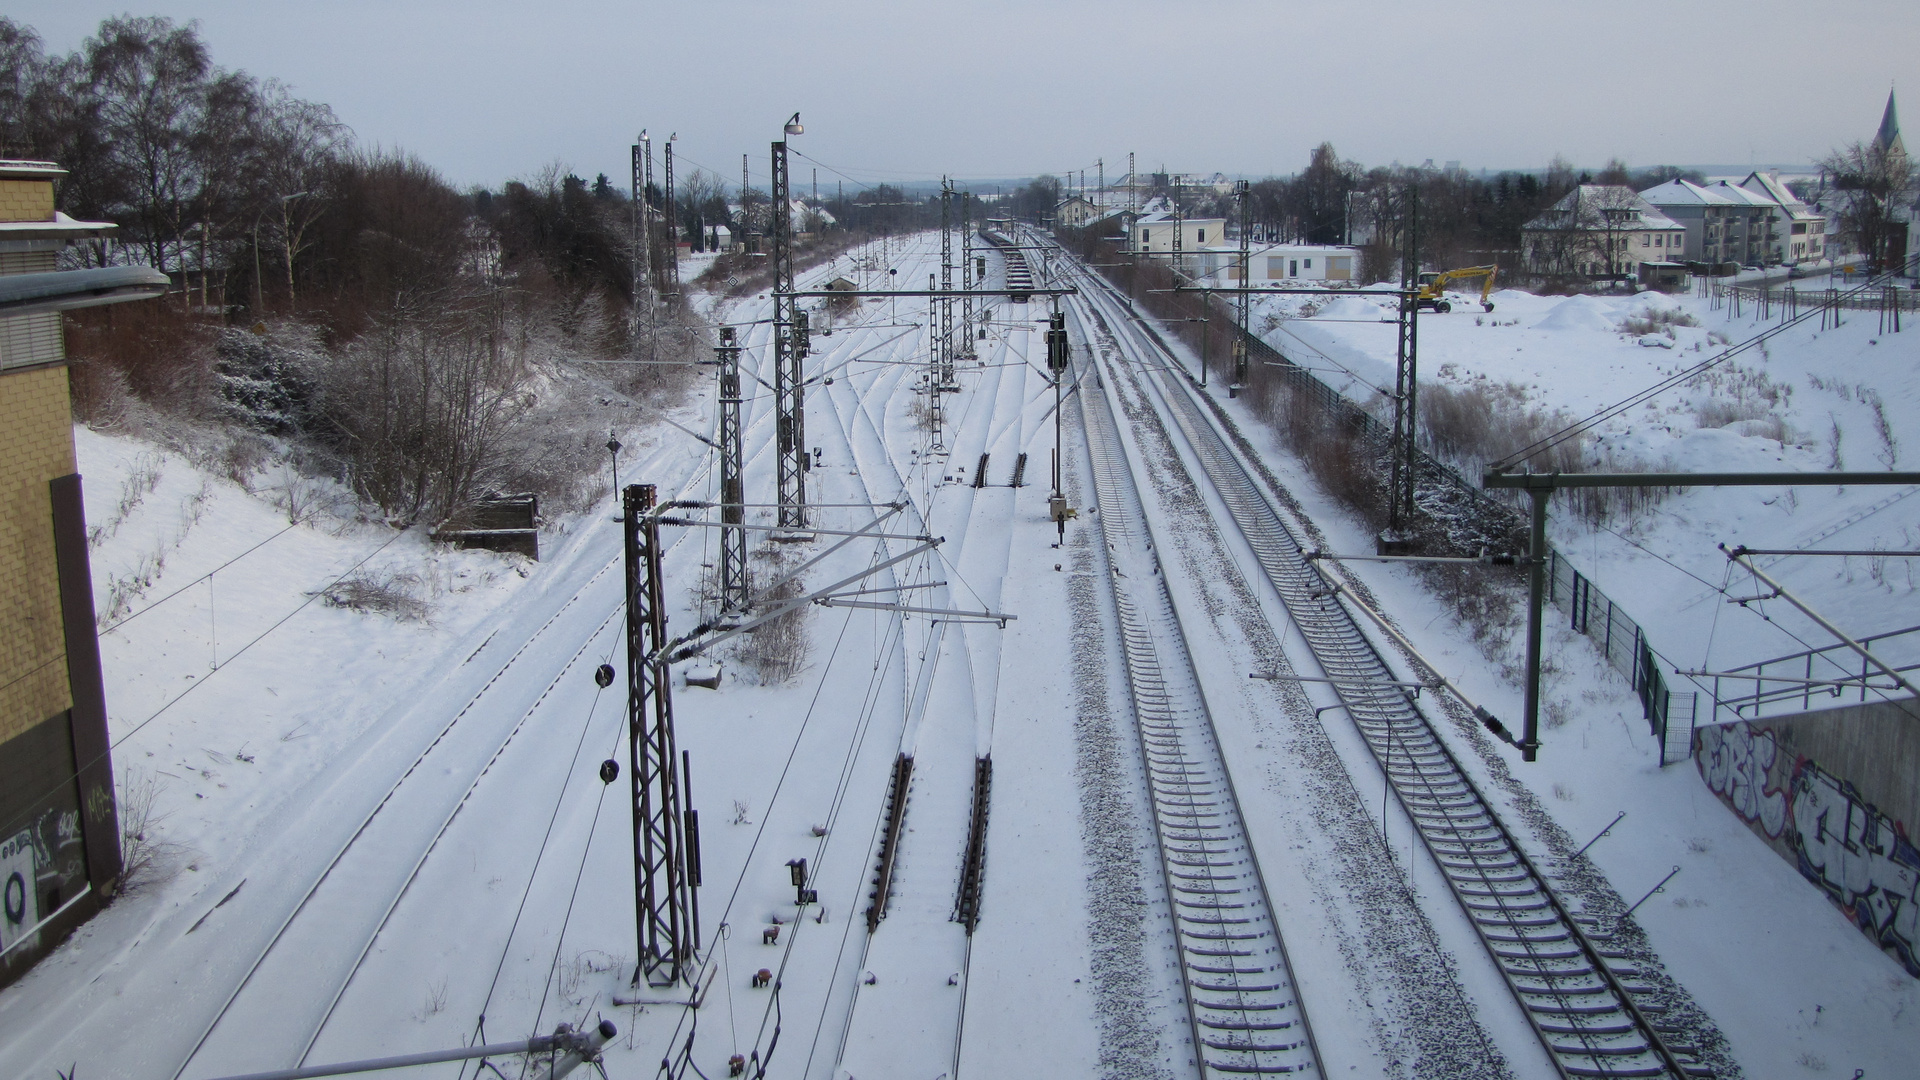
788	391
1100	180
666	910
935	418
672	222
1405	396
966	274
736	594
946	283
1243	298
638	237
1133	193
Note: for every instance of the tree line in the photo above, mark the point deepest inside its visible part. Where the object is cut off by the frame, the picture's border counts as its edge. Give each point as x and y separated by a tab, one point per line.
1463	218
415	341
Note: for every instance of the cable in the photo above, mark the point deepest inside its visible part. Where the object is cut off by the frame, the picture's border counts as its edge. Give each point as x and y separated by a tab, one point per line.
1720	588
69	778
507	946
109	629
1579	427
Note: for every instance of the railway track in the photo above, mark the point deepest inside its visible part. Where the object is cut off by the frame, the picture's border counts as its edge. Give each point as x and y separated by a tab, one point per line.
1586	1002
939	771
1245	1016
306	941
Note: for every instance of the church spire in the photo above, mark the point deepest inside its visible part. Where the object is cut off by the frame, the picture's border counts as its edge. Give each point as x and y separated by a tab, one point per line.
1888	137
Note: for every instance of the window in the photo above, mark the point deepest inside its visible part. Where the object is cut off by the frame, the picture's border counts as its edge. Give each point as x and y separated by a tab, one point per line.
1308	264
1202	236
1646	240
1144	234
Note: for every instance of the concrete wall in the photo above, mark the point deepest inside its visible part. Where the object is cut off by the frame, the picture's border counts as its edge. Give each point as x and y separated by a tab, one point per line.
1836	793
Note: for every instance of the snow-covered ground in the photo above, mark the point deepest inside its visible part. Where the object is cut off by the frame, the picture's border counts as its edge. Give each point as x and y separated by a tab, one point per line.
1807	399
462	746
1737	918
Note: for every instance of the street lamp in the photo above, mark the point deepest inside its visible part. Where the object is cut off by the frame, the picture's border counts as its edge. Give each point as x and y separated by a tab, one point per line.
793	125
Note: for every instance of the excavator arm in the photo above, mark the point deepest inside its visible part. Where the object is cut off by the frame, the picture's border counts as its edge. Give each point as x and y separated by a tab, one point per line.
1433	288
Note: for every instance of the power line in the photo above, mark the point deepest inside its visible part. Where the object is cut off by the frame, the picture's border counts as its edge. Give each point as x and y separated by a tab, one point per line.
70	777
1579	427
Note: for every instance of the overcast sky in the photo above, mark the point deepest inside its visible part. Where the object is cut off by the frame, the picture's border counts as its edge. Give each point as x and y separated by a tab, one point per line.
486	90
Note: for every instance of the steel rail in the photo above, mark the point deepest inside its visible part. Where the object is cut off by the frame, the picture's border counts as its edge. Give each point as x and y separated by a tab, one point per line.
1576	995
1243	1011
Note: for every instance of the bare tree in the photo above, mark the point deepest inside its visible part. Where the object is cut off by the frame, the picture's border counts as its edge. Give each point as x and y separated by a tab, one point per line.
303	144
147	79
1870	178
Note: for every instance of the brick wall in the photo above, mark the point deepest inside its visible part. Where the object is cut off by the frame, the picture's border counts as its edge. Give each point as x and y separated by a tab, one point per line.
36	445
26	200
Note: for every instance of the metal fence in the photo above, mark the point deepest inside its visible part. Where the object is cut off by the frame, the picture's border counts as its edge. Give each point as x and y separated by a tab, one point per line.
1670	716
1830	672
1891	303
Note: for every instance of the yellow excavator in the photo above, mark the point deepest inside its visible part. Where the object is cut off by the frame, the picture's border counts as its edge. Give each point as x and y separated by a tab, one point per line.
1433	286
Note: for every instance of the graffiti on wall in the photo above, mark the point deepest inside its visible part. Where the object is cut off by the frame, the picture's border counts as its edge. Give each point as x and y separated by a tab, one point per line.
1861	858
1737	763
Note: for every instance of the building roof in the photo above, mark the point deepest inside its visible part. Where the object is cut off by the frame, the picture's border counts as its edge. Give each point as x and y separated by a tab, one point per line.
61	227
1741	196
11	169
64	290
1888	137
1586	205
1769	184
1683	193
1162	217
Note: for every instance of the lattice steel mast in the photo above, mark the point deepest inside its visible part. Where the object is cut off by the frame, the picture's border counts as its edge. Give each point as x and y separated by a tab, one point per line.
736	594
788	391
665	909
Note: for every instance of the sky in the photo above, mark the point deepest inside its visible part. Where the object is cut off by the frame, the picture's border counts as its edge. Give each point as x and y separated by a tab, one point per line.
488	90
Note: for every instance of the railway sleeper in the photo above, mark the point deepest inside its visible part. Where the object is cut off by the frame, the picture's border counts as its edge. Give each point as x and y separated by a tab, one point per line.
1257	1070
1251	1048
1614	1070
1602	1047
1205	970
1511	953
1215	989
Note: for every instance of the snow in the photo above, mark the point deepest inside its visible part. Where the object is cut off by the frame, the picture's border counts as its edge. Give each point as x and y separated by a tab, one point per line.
274	726
1738	916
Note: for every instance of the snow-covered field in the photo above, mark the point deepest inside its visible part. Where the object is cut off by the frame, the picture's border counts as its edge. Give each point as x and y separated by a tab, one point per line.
271	727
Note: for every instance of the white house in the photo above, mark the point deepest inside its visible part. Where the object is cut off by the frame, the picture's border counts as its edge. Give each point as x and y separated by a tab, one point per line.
1155	232
1282	262
1706	216
1074	212
1599	230
1801	231
1753	233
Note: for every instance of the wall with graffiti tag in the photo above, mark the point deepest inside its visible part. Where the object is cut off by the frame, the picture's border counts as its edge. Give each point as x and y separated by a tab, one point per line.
1827	812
